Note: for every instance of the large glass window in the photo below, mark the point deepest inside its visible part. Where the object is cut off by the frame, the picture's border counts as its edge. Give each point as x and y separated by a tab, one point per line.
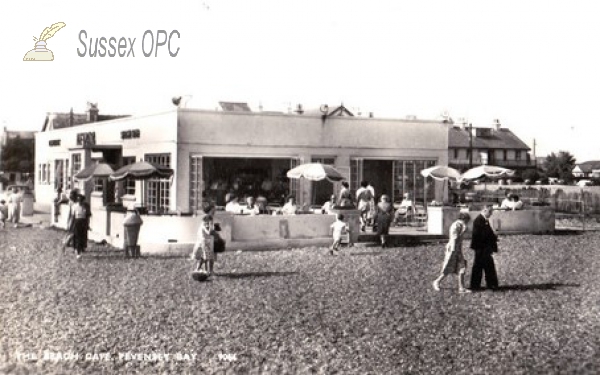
196	183
408	179
243	177
158	189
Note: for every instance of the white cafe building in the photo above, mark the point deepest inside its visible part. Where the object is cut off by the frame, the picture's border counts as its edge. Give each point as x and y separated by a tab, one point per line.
232	149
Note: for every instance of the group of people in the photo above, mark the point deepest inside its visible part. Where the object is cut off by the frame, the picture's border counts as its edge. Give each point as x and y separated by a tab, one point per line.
11	211
484	243
258	206
78	223
511	202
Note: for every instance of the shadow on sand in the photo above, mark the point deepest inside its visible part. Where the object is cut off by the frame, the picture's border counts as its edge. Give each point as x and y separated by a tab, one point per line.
376	253
562	232
545	286
243	275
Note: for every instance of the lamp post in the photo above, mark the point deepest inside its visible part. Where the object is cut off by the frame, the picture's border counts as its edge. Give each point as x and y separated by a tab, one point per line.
470	145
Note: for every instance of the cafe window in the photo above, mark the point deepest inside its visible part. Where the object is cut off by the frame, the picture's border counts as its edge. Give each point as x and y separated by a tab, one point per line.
76	163
324	160
158	190
407	178
98	184
196	183
222	176
129	183
518	155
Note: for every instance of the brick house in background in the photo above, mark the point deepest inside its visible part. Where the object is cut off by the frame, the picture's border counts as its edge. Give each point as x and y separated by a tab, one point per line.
587	169
492	146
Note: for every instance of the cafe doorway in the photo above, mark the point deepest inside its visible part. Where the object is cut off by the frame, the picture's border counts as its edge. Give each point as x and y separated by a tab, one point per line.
379	173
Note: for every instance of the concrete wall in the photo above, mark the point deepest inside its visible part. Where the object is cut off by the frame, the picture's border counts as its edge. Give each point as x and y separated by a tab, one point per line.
533	220
176	234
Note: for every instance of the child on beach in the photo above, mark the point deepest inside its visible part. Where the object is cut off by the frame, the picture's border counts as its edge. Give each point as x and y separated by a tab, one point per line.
204	248
338	228
3	212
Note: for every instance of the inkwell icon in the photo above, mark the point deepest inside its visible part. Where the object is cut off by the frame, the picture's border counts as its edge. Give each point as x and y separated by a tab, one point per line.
40	52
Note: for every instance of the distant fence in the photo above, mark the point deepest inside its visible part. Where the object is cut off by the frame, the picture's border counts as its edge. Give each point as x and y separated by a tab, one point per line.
564	199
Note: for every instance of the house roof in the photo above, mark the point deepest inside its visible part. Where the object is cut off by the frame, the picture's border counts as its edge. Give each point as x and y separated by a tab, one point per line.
589	166
62	120
21	134
235	106
491	138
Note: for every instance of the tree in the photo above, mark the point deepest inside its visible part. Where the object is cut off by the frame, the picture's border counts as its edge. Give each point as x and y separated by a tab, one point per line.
531	175
560	165
18	155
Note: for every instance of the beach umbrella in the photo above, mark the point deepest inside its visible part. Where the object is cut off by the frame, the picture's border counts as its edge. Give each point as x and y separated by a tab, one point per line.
315	172
486	170
96	170
142	170
441	173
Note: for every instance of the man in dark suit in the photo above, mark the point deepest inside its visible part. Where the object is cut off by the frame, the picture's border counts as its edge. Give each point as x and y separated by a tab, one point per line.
485	242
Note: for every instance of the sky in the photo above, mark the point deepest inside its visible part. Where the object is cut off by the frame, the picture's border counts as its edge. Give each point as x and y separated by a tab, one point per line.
534	65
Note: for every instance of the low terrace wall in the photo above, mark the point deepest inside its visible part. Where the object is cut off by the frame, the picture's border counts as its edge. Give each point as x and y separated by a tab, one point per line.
177	234
531	220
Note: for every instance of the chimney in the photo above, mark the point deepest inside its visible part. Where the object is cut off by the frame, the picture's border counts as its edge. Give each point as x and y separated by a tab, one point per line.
71	118
497	124
92	114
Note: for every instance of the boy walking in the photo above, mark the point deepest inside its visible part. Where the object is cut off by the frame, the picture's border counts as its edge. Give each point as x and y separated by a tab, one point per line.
338	229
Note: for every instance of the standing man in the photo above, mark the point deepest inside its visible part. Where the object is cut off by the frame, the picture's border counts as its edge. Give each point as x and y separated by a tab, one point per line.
15	200
485	242
363	199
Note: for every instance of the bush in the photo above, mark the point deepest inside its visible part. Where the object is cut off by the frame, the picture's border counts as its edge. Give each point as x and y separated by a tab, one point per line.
530	174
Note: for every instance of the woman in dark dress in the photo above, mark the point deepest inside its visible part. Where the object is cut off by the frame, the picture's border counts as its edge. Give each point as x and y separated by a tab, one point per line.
80	214
384	216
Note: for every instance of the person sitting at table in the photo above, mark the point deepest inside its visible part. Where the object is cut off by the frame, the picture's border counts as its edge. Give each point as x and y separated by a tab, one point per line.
507	202
328	206
261	203
290	207
517	202
406	209
233	205
251	207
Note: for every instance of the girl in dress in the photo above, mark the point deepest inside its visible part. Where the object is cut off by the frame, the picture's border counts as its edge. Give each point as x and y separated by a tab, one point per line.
454	260
204	248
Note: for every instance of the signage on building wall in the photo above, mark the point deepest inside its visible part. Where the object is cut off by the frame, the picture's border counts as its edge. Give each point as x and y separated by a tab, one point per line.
54	142
129	134
86	139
